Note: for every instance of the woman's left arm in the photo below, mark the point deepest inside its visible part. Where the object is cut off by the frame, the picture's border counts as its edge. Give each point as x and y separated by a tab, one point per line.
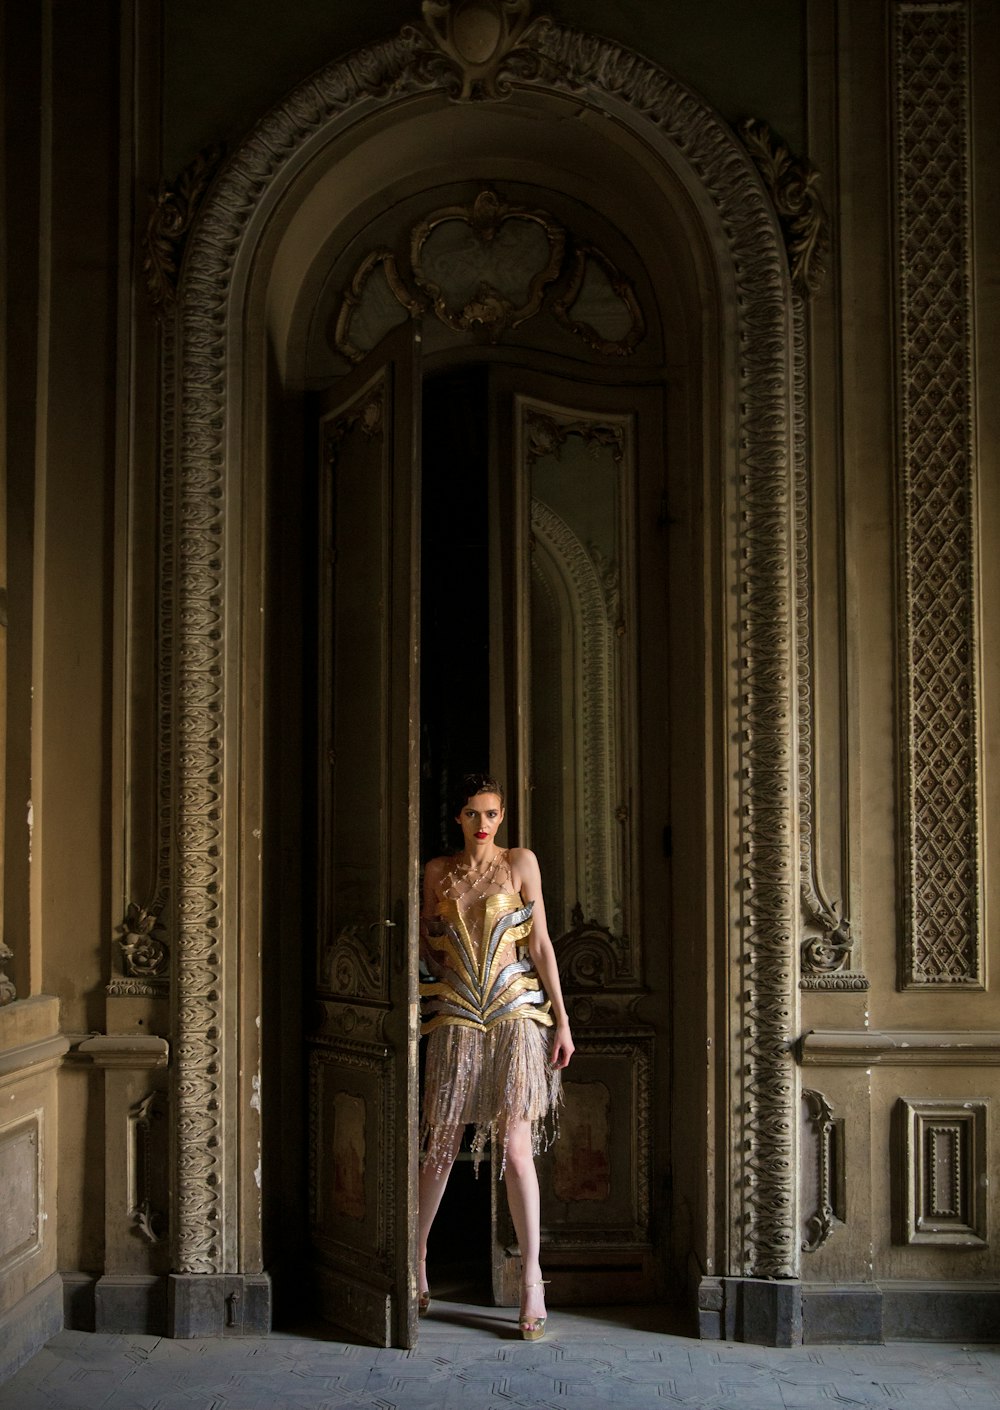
527	876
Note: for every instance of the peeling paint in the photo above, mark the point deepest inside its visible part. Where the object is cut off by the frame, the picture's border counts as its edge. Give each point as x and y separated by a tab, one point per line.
255	1094
31	825
256	1174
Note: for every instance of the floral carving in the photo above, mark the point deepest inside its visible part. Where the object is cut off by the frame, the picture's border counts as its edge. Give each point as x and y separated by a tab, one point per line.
172	210
792	185
144	954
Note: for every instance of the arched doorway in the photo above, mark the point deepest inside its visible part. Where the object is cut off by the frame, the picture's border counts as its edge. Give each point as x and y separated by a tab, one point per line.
358	138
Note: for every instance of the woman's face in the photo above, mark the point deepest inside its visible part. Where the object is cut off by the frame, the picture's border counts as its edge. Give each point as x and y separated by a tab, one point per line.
479	819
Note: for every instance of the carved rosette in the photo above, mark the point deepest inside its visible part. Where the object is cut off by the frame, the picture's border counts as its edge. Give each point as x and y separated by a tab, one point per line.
589	69
939	725
145	955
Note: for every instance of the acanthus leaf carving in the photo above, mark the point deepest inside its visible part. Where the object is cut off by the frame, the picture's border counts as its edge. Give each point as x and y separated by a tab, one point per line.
172	211
476	48
792	184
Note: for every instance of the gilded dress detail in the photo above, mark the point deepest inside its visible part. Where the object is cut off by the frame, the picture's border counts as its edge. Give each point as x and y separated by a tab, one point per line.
484	1013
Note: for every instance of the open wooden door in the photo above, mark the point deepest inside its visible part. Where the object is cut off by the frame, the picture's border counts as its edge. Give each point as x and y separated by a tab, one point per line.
362	1034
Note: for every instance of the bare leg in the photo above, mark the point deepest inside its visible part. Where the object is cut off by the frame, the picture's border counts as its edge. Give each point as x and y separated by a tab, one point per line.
433	1180
522	1197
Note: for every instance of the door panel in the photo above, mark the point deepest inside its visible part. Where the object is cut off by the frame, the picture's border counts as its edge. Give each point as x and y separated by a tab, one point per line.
580	478
362	1042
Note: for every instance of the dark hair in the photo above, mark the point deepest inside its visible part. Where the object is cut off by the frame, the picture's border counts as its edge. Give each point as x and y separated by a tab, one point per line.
470	785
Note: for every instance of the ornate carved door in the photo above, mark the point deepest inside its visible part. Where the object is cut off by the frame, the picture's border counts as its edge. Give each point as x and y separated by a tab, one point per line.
363	1037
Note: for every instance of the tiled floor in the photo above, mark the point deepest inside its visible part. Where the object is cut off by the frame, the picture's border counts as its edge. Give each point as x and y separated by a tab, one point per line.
470	1357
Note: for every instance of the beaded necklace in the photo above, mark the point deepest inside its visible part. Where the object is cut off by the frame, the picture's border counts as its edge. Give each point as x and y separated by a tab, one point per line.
465	885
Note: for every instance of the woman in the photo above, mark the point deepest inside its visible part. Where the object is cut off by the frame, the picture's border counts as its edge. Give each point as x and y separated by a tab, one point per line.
498	1034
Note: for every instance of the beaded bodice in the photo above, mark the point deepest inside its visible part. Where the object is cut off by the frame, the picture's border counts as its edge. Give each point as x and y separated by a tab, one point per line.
472	948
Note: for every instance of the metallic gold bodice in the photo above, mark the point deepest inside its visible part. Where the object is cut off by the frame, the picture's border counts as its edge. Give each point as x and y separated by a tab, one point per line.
481	977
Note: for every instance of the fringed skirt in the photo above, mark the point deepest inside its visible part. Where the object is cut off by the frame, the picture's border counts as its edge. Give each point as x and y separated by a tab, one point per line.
487	1080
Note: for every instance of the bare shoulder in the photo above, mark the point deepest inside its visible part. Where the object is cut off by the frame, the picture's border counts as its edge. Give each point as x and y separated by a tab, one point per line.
436	868
523	862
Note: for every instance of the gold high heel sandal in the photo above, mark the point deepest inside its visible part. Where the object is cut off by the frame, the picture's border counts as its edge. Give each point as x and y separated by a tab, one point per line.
424	1298
533	1328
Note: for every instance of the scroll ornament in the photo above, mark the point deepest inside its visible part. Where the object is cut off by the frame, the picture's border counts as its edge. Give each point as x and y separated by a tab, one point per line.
171	214
792	185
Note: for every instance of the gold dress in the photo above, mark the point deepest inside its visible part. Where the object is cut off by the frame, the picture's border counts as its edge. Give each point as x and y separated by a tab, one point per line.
485	1015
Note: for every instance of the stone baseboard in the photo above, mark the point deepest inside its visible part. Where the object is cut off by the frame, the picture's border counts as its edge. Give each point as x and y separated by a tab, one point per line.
927	1311
131	1304
28	1325
761	1311
789	1313
218	1305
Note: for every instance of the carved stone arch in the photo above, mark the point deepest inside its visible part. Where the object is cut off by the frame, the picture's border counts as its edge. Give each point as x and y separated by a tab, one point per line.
210	629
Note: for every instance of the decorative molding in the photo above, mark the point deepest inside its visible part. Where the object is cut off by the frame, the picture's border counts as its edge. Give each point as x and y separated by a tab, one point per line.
590	71
353	964
822	954
144	955
943	1173
868	1047
171	213
137	988
622	1062
362	1067
562	303
792	185
489	310
938	668
367	415
591	957
827	1134
412	305
8	991
146	1167
826	951
546	434
478	49
21	1167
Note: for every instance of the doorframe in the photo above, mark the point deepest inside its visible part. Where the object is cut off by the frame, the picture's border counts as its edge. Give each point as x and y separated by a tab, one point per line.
214	470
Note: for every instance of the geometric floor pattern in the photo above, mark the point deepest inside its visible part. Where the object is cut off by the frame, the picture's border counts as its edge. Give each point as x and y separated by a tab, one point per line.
470	1358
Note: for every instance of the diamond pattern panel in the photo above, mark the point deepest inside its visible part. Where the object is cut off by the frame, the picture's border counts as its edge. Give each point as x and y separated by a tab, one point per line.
936	505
